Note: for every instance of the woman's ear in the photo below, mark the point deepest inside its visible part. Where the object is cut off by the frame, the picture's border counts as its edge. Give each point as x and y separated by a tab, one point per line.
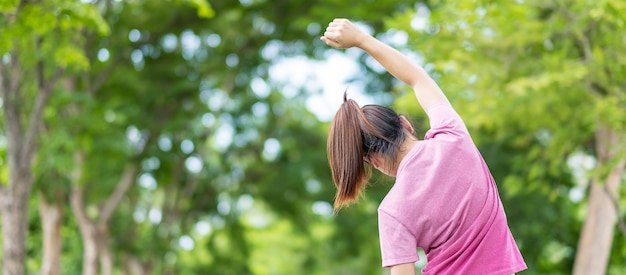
406	124
375	161
381	164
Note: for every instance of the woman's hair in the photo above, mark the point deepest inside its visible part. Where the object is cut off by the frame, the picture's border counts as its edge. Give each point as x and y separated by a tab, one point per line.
355	133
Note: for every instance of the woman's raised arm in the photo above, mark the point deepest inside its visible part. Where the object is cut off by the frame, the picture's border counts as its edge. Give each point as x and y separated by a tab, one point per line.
342	34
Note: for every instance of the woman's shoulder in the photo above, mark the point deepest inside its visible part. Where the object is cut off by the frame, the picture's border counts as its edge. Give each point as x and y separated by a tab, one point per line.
445	120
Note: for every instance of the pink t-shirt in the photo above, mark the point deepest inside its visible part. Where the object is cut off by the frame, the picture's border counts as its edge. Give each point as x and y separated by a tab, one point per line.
445	201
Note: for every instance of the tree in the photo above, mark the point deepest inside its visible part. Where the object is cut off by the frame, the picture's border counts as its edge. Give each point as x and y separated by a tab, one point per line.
546	78
140	93
53	37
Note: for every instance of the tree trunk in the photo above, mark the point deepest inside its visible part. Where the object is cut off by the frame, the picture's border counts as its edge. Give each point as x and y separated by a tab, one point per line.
15	222
133	266
95	234
89	233
594	245
87	228
15	194
104	251
96	252
51	220
90	249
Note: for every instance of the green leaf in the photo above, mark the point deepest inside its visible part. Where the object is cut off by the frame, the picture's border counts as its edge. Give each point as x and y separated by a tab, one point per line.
71	56
204	8
95	19
8	5
76	15
38	19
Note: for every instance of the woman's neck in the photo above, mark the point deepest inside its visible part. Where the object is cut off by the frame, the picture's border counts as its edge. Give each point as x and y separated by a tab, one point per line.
406	147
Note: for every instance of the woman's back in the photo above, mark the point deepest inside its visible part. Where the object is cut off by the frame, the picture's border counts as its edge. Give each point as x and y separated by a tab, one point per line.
445	201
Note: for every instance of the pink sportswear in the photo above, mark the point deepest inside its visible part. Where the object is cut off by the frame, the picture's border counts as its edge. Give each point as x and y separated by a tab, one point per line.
445	201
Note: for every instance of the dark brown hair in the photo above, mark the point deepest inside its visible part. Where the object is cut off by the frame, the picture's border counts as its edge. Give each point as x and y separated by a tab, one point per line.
355	133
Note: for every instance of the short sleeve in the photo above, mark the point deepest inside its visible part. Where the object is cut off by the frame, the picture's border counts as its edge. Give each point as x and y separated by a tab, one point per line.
444	120
397	243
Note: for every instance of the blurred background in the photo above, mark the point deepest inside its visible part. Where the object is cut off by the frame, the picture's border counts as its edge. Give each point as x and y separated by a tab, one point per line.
189	136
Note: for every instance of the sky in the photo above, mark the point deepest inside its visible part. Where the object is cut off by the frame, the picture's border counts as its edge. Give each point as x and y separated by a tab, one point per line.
324	81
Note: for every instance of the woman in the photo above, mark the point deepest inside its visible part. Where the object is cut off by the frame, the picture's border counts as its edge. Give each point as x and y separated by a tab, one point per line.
444	199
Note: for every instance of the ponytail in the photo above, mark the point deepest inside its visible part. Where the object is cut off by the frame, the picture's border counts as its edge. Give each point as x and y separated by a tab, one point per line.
354	134
345	153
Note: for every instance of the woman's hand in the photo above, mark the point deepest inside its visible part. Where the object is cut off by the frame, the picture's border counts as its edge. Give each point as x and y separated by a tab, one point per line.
342	34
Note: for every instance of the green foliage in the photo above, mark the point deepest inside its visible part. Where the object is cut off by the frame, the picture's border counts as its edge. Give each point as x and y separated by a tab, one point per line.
52	31
8	5
76	15
203	7
67	55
